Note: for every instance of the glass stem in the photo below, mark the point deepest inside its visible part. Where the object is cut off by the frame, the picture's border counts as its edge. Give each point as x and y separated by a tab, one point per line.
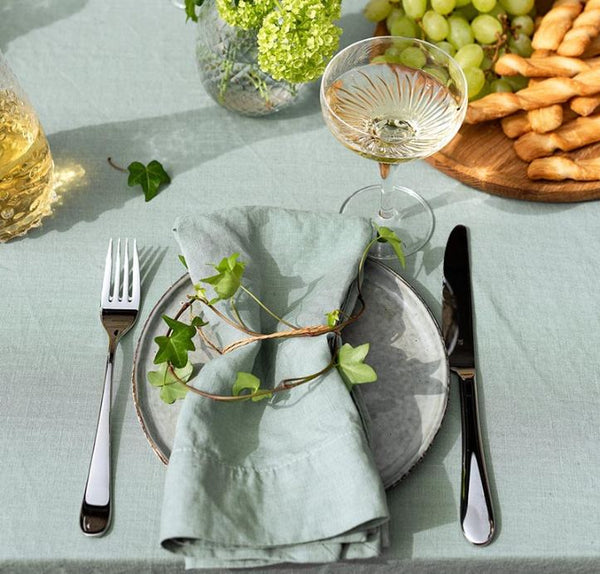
386	210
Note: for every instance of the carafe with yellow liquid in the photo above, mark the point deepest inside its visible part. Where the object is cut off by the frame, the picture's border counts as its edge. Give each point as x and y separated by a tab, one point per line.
26	168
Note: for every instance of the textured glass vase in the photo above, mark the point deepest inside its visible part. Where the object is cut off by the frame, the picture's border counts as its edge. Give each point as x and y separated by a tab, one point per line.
228	64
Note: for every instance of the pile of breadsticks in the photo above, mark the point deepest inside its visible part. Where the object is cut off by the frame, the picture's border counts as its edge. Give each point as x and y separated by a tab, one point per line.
559	110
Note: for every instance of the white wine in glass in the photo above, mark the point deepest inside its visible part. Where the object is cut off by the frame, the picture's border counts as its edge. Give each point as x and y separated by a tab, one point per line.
393	100
26	167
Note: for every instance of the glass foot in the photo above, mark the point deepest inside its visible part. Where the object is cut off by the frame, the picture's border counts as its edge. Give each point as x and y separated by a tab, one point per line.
410	218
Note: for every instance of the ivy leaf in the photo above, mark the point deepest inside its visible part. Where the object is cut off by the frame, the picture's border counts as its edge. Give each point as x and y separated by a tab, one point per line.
249	382
174	347
198	322
169	381
352	367
150	177
228	280
190	9
333	317
386	235
183	261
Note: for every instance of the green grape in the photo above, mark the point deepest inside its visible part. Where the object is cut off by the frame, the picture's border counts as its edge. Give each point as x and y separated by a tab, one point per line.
393	17
467	12
438	73
460	3
406	27
443	7
523	24
469	56
377	10
475	81
486	29
460	32
380	60
447	47
413	57
486	63
435	25
520	44
483	92
517	82
415	8
392	54
500	85
484	5
497	11
518	7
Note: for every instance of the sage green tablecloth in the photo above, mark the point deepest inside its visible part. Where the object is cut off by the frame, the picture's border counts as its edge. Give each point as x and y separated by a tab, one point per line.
118	79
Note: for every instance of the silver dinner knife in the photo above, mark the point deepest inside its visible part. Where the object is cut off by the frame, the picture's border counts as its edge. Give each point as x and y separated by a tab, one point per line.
476	512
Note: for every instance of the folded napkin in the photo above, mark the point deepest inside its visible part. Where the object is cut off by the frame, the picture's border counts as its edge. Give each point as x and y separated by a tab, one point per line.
289	479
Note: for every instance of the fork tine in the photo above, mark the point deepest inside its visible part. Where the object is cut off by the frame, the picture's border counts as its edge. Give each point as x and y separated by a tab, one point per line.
135	276
107	269
117	272
125	292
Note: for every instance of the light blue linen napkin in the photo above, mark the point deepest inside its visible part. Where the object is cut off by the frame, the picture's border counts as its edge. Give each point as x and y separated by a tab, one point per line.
291	479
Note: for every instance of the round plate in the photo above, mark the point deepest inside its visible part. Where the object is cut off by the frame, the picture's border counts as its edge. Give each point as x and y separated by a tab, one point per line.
403	410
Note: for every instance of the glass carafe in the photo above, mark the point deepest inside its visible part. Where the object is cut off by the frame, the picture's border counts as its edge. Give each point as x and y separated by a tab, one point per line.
26	168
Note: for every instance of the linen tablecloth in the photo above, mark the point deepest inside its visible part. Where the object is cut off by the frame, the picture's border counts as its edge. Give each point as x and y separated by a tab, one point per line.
118	79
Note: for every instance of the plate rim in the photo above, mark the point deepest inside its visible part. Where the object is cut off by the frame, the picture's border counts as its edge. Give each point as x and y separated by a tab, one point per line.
185	278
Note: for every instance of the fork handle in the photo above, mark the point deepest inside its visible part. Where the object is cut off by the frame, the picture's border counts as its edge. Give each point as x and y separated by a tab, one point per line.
95	515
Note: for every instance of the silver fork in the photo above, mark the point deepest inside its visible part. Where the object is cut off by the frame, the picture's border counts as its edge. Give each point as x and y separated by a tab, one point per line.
119	310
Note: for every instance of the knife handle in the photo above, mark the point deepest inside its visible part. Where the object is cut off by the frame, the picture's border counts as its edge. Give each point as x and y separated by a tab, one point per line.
476	512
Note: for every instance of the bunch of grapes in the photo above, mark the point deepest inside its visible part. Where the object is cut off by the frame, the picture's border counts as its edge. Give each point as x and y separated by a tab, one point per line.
475	32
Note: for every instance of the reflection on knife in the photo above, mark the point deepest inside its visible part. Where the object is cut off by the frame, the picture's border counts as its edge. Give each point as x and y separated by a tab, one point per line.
476	513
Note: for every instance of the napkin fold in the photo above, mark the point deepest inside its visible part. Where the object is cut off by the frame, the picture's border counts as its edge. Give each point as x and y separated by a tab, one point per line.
291	479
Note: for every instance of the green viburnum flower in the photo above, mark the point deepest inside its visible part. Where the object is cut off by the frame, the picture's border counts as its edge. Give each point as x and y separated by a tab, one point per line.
245	14
297	40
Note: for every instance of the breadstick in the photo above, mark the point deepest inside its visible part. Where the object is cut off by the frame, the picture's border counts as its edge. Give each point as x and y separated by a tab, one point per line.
516	124
559	167
593	49
555	24
546	119
539	67
585	28
544	93
572	135
585	105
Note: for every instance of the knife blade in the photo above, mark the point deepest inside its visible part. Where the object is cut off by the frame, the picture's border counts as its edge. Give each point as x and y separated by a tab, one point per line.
476	511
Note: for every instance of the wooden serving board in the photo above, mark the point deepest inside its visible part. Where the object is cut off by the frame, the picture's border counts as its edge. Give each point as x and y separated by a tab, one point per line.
483	157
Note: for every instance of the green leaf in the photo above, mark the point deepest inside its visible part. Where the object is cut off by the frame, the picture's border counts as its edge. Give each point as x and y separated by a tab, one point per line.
352	367
333	317
249	382
190	9
174	347
228	280
386	235
150	177
198	322
169	381
183	261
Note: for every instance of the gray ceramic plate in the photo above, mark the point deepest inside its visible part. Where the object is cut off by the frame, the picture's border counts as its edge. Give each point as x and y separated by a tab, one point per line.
404	408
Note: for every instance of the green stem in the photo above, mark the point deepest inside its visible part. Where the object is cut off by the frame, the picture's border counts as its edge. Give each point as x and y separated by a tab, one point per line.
296	381
265	308
236	314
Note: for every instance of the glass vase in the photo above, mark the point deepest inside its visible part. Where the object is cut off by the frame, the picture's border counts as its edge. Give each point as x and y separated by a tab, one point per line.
227	60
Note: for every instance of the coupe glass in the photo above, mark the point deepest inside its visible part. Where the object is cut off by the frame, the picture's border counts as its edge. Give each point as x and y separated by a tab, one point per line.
393	100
